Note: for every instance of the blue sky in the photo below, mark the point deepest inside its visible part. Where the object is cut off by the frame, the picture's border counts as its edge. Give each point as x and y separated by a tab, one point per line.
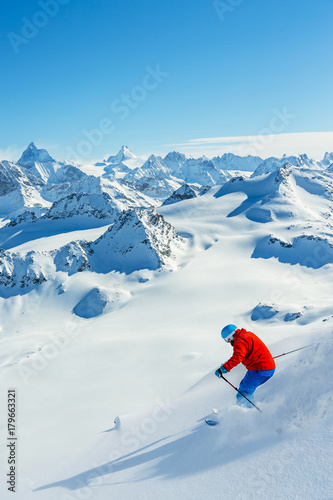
196	76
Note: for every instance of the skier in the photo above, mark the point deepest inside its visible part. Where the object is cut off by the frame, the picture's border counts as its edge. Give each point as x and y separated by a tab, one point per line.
253	354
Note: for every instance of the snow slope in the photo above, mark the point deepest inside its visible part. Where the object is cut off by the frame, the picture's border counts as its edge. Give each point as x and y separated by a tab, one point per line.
168	450
144	345
18	190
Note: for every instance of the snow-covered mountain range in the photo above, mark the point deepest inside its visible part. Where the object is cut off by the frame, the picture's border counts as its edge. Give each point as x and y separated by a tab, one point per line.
41	196
115	281
37	180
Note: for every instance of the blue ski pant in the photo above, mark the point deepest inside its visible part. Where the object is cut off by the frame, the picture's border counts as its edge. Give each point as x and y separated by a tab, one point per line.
250	382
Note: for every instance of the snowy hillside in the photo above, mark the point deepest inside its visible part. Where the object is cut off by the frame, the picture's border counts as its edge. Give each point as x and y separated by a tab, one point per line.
137	239
113	292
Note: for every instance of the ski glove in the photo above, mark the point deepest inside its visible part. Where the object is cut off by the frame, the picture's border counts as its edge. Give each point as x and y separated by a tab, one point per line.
220	370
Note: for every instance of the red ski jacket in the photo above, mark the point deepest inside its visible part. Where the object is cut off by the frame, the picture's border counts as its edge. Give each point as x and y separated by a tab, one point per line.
251	351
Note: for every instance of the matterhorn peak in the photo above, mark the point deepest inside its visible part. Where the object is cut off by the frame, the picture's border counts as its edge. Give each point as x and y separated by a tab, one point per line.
32	155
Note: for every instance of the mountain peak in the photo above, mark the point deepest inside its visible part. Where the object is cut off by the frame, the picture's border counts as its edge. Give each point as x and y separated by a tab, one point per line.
185	192
328	159
123	154
174	160
139	239
32	155
176	156
153	159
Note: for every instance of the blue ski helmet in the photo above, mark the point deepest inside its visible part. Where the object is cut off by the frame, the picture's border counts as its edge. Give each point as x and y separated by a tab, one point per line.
228	332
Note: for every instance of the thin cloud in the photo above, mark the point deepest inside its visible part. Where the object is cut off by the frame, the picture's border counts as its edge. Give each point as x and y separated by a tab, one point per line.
11	153
315	144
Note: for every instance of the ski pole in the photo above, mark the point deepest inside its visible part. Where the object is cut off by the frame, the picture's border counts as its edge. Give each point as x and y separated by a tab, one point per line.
285	353
241	393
